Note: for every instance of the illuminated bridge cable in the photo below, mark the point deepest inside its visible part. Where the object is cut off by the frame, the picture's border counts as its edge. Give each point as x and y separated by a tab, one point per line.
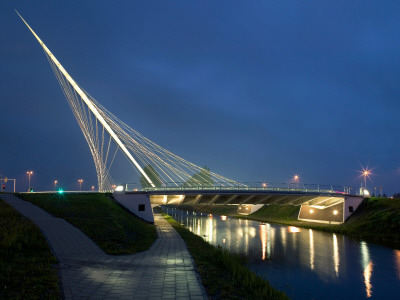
106	134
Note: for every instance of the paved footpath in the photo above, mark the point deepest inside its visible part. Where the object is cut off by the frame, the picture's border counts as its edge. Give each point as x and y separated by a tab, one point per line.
165	271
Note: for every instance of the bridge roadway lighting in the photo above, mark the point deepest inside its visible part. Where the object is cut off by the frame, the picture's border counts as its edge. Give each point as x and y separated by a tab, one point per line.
80	184
29	179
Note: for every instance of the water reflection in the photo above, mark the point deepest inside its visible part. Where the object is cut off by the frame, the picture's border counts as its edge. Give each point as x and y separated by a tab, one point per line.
368	267
336	255
263	237
210	229
293	229
311	249
283	238
397	262
294	260
269	237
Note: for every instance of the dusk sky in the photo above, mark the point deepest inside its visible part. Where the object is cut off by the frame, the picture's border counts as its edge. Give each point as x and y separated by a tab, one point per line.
255	90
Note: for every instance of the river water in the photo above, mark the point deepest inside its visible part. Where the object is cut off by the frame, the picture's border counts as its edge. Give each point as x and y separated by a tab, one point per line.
304	263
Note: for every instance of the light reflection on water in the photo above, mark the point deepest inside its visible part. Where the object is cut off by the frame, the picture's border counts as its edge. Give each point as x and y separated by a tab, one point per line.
304	263
397	261
367	265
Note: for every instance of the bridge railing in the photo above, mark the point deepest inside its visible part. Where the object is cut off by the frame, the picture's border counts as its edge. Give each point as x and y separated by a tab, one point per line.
244	186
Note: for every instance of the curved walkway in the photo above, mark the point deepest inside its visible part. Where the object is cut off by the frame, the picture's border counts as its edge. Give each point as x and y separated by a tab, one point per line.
165	271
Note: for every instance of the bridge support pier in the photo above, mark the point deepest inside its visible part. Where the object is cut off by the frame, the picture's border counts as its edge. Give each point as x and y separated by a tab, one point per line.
138	204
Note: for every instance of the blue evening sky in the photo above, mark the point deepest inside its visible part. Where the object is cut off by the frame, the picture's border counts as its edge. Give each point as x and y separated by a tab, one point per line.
255	90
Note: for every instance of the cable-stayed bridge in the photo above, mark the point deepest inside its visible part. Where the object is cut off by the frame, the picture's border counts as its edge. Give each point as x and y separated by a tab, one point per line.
167	178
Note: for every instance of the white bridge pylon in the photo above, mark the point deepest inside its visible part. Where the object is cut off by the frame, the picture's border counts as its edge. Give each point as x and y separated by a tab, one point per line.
157	166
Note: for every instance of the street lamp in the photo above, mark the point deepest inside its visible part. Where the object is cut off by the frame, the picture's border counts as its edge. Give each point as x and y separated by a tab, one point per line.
296	178
92	188
29	179
80	184
365	174
55	185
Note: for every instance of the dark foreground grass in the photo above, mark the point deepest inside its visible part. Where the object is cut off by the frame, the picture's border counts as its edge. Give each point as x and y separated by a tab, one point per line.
26	261
376	220
224	275
109	225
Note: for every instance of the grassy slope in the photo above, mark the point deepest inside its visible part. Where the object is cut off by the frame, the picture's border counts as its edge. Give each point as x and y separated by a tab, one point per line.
224	275
376	220
109	225
25	259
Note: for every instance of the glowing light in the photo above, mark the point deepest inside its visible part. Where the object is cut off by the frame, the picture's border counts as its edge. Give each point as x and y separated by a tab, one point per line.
311	211
293	229
119	188
223	218
264	185
223	240
335	212
366	173
296	178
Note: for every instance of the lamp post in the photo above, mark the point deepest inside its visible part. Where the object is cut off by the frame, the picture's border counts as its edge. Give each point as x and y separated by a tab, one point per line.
365	174
29	179
80	184
296	178
92	188
55	185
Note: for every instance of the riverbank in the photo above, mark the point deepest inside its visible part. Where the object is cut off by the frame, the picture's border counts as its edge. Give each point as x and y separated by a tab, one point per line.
224	275
376	220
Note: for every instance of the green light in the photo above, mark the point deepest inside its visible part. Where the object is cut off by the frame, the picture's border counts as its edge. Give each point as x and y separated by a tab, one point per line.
60	191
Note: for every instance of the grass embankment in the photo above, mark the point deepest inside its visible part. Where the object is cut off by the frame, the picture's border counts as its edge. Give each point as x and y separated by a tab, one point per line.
376	220
26	261
224	275
109	225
